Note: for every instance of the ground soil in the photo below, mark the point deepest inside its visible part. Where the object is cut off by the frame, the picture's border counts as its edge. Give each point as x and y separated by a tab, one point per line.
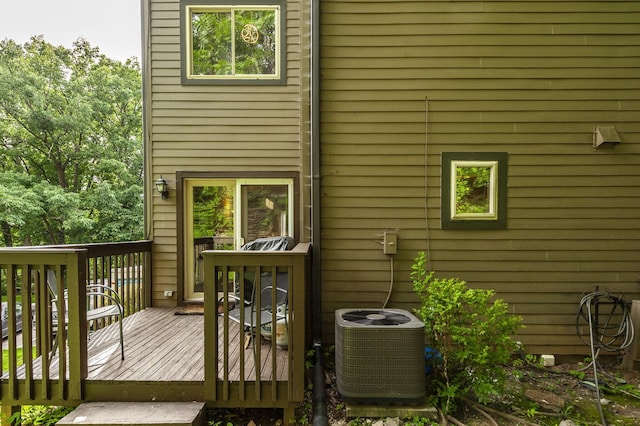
533	396
539	396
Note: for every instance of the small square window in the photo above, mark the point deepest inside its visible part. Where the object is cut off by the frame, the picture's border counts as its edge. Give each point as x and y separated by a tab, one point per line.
474	190
233	44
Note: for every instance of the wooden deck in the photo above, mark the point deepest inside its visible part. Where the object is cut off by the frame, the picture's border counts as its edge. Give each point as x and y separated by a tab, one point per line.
162	346
168	357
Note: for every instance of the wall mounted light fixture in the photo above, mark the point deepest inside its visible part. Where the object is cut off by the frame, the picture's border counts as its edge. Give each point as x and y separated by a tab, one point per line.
162	187
605	137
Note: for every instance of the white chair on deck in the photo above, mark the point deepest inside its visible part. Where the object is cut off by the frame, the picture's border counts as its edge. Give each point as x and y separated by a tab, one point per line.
103	302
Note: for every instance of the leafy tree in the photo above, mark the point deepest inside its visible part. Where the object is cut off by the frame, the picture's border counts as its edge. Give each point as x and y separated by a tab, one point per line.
70	145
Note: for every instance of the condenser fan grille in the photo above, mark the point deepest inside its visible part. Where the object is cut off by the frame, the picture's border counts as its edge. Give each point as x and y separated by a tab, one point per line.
376	317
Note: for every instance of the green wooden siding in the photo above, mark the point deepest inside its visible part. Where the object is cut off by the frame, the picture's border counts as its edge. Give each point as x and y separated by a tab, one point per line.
404	81
217	128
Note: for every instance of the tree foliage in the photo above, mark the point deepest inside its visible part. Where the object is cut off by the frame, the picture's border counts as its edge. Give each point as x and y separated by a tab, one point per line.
70	145
212	213
472	187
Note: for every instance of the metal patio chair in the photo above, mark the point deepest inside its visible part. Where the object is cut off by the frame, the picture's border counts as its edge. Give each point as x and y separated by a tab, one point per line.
103	302
250	318
254	317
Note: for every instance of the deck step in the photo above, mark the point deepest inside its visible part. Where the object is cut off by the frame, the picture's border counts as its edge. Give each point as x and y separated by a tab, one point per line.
137	413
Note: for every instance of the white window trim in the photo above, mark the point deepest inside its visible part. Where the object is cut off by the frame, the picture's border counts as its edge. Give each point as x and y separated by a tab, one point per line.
492	214
189	9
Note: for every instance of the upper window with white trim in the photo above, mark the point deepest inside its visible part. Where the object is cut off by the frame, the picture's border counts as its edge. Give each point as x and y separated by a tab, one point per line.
241	43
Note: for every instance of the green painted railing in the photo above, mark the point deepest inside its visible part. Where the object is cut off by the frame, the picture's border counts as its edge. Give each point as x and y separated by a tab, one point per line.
224	271
125	267
280	383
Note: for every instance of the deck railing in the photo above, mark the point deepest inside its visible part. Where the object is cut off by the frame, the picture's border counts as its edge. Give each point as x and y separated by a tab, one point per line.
258	376
225	275
125	267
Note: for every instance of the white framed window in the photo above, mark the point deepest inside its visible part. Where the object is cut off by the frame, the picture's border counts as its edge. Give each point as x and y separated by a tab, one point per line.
474	190
233	43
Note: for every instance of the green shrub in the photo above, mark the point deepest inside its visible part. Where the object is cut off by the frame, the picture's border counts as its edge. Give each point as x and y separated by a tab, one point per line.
40	415
472	334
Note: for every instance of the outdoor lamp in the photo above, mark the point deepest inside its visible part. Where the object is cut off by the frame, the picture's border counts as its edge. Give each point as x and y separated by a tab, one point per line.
163	187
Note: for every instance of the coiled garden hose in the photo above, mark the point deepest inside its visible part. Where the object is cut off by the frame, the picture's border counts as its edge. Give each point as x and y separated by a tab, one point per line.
610	336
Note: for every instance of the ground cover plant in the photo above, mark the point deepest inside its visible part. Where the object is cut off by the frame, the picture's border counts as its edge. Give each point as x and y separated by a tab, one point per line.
40	415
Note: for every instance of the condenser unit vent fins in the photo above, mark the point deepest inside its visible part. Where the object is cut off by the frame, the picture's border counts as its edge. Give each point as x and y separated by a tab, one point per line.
379	355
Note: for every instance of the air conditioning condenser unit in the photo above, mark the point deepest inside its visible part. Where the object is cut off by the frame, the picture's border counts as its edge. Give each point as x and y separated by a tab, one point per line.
380	356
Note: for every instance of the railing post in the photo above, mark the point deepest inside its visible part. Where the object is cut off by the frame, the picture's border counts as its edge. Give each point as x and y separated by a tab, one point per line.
11	300
297	348
8	414
148	290
210	329
77	325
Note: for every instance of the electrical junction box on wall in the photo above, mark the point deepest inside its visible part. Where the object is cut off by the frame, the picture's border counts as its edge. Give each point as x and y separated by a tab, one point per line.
390	242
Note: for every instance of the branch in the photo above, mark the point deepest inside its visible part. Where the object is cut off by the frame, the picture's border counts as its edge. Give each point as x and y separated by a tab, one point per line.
443	418
515	419
455	421
486	415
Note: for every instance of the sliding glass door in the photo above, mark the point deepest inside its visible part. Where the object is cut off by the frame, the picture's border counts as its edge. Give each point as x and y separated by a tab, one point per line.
224	214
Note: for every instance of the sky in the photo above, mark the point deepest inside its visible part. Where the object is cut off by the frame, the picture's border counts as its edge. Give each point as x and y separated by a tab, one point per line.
111	25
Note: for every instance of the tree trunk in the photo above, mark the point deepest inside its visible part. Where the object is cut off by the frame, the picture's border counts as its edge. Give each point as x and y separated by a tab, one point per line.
6	234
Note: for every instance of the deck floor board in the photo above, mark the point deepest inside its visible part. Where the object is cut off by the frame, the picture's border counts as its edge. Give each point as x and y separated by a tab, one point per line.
162	346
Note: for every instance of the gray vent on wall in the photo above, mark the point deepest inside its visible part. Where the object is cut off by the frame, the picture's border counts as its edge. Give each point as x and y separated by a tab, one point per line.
380	355
605	136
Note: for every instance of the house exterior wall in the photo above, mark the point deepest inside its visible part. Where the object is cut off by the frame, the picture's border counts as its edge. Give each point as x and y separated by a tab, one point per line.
216	128
401	82
404	81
